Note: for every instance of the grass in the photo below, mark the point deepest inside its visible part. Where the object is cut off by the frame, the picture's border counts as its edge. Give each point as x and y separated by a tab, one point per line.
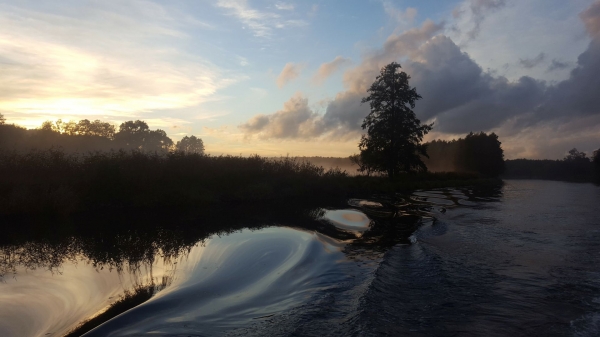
56	185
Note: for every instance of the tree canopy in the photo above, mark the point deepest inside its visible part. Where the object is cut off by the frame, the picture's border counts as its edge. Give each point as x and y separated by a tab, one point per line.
477	152
394	133
86	135
83	128
190	145
138	136
2	119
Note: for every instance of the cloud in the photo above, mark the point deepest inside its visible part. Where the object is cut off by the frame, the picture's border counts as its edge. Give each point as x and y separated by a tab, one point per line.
345	113
289	72
260	22
395	47
295	121
530	63
284	6
111	61
328	68
406	16
476	10
591	19
557	65
256	20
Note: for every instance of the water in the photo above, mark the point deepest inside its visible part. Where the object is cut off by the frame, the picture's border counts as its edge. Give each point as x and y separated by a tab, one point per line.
520	260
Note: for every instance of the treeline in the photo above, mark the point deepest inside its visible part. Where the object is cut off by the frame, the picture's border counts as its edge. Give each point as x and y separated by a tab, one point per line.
576	167
476	153
86	136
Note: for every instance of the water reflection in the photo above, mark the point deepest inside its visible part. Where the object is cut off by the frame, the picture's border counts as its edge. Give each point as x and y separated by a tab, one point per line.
350	220
234	280
227	268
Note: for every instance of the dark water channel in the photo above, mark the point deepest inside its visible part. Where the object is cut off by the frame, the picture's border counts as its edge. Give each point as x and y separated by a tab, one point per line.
518	260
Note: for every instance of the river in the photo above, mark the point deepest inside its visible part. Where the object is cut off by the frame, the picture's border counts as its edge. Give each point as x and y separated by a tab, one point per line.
522	259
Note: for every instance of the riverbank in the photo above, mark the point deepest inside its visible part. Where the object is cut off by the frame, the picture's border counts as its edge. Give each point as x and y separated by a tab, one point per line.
55	185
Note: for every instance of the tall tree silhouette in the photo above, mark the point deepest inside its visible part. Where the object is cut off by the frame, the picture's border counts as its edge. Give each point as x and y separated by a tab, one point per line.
2	119
190	145
394	133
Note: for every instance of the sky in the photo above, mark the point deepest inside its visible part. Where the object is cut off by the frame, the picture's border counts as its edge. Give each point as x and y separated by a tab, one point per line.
286	77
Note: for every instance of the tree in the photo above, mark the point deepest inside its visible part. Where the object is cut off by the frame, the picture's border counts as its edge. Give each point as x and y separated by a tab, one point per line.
95	128
131	134
578	165
477	152
394	133
2	119
357	159
51	126
137	135
575	156
157	140
483	154
190	145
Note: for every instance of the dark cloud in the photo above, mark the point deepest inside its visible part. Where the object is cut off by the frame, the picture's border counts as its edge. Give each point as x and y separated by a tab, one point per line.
396	46
345	111
446	77
530	63
557	65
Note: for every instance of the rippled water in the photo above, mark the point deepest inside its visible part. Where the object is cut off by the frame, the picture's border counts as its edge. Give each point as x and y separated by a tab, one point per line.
521	260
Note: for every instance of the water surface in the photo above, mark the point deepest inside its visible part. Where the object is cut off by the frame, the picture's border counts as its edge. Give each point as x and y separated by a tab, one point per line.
520	260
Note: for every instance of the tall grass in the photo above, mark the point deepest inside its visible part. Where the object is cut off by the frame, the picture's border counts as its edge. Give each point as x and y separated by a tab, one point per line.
56	185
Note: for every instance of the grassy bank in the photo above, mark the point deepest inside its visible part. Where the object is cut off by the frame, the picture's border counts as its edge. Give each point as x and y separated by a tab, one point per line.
57	185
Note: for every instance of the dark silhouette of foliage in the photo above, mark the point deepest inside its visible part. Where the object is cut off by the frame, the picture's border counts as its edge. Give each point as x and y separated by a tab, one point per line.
394	134
2	119
576	167
190	145
477	152
576	156
138	136
86	128
484	154
13	137
596	161
363	167
52	182
85	136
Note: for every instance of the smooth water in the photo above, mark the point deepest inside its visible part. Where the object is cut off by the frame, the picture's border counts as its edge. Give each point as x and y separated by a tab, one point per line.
520	260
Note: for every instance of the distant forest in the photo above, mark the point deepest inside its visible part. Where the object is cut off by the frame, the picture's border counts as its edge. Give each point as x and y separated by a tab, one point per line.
482	153
576	167
91	136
